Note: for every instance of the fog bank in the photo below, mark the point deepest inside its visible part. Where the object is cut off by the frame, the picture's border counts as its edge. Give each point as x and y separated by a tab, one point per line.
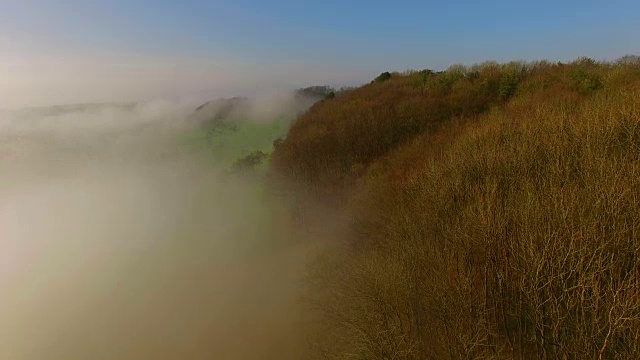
116	242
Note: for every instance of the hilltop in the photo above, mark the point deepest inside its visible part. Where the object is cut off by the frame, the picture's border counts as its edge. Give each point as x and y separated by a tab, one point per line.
238	109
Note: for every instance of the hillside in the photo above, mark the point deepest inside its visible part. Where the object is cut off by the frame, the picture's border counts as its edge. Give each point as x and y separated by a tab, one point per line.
241	131
491	212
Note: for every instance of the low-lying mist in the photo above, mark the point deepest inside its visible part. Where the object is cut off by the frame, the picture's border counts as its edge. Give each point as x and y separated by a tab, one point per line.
118	242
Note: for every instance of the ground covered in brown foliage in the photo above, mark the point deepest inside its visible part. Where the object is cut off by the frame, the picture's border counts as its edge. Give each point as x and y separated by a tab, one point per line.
490	212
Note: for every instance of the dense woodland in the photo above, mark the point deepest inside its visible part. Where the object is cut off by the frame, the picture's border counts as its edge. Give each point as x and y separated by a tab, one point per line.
490	212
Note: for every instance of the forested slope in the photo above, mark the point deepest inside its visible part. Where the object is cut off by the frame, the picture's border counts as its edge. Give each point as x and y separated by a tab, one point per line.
492	212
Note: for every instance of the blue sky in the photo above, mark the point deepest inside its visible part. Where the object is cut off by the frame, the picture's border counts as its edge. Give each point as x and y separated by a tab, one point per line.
289	43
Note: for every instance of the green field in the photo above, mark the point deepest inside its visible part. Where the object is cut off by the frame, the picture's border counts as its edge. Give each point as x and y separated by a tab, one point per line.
246	194
228	145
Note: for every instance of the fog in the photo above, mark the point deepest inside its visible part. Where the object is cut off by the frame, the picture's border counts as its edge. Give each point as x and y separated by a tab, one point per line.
43	76
118	242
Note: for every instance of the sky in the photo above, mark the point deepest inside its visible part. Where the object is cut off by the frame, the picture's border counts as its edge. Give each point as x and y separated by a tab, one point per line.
57	52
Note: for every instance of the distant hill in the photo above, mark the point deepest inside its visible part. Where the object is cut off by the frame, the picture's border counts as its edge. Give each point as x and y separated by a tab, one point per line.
310	95
214	112
238	109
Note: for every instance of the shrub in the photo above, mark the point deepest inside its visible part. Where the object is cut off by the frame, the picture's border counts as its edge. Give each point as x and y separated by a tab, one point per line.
277	142
383	77
249	162
508	85
423	78
629	60
586	82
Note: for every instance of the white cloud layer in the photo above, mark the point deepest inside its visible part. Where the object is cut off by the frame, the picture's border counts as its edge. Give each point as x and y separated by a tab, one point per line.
41	79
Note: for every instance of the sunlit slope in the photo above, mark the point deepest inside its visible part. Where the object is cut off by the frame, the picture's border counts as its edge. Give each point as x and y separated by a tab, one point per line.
492	211
226	145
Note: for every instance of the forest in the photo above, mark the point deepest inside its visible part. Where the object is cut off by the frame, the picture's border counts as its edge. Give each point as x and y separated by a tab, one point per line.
482	212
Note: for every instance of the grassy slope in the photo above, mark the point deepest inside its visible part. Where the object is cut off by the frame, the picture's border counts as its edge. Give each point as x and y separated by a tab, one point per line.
494	212
228	146
221	151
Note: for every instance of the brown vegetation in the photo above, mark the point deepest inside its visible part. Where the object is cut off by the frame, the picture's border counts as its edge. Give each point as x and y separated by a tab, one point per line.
493	212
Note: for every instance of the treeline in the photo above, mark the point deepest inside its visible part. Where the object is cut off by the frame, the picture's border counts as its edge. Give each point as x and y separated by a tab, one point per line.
492	212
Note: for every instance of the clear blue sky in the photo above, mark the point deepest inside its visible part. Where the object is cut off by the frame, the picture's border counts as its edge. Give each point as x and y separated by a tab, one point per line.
350	40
